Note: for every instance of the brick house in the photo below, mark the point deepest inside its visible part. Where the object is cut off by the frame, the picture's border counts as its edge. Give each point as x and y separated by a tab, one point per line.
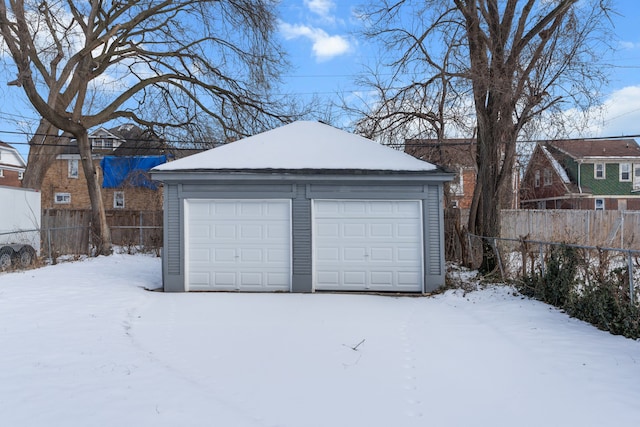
12	166
586	174
65	187
456	155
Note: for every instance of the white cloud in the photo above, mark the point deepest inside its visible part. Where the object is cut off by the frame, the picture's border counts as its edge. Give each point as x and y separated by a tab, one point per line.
322	8
622	112
628	45
324	47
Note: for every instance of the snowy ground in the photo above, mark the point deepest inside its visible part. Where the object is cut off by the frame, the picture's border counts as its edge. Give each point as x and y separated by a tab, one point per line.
84	344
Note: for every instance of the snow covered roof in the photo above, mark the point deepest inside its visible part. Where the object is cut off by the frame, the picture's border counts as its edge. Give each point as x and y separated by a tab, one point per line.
301	145
556	165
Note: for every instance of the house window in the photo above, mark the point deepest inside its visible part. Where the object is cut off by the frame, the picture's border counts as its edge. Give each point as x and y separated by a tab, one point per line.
20	175
598	171
547	177
636	177
63	198
107	143
625	171
456	185
1	173
537	179
73	168
599	204
118	200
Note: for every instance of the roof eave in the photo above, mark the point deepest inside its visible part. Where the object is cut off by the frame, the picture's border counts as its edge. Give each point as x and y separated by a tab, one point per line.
299	174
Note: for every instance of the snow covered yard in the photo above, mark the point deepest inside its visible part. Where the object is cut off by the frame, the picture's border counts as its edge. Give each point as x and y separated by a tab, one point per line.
84	344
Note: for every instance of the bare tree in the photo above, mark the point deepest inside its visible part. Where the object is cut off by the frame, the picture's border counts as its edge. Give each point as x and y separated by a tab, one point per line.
164	64
511	61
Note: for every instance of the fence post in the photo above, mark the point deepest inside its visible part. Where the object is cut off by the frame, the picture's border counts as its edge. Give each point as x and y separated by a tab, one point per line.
631	284
495	249
141	231
49	243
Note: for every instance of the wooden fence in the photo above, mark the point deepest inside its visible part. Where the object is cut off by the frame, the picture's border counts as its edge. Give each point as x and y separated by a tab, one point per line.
613	229
67	231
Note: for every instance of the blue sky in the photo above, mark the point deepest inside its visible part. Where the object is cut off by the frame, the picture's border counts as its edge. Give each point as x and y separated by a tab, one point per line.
326	54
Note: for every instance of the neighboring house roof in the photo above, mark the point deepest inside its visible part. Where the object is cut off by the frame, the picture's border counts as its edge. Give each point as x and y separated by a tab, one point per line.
14	160
597	148
134	141
450	152
556	165
302	145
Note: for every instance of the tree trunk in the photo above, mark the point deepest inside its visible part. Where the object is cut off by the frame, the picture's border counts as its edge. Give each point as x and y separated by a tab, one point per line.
100	229
44	147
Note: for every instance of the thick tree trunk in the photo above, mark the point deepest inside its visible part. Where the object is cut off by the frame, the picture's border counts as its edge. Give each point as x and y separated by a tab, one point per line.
100	229
44	146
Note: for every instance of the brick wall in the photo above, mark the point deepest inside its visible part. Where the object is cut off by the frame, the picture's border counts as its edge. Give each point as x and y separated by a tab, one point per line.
10	178
57	180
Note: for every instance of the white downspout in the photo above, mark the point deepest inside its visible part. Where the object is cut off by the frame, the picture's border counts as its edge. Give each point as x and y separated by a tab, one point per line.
579	185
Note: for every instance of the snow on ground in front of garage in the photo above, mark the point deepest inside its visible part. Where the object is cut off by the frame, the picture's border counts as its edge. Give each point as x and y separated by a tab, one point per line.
84	344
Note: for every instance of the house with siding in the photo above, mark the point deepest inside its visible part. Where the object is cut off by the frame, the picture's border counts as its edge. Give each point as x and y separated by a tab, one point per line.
600	174
12	166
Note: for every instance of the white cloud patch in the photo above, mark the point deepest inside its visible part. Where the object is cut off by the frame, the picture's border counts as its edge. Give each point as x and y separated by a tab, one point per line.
325	46
629	45
322	8
618	115
622	112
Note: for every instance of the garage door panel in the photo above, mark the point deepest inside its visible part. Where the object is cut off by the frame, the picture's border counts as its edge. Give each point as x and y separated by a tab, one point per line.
247	247
354	230
408	278
382	278
382	254
378	245
353	254
355	278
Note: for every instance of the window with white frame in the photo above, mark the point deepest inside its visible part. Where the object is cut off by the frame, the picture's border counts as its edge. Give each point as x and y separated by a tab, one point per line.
62	198
72	165
20	175
625	171
598	171
636	177
536	179
118	200
547	177
1	173
599	204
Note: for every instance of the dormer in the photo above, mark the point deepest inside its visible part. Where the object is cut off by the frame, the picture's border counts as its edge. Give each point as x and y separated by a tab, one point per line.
103	140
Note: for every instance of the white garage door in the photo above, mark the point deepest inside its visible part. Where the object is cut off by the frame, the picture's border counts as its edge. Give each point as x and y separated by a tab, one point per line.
237	245
367	245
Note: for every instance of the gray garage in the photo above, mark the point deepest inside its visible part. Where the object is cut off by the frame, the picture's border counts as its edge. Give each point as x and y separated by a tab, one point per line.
301	208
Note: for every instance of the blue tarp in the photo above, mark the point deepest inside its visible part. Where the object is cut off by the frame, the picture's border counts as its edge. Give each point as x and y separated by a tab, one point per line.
133	171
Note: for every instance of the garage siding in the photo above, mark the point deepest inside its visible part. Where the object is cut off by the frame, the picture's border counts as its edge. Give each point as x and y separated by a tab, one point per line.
301	233
433	223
